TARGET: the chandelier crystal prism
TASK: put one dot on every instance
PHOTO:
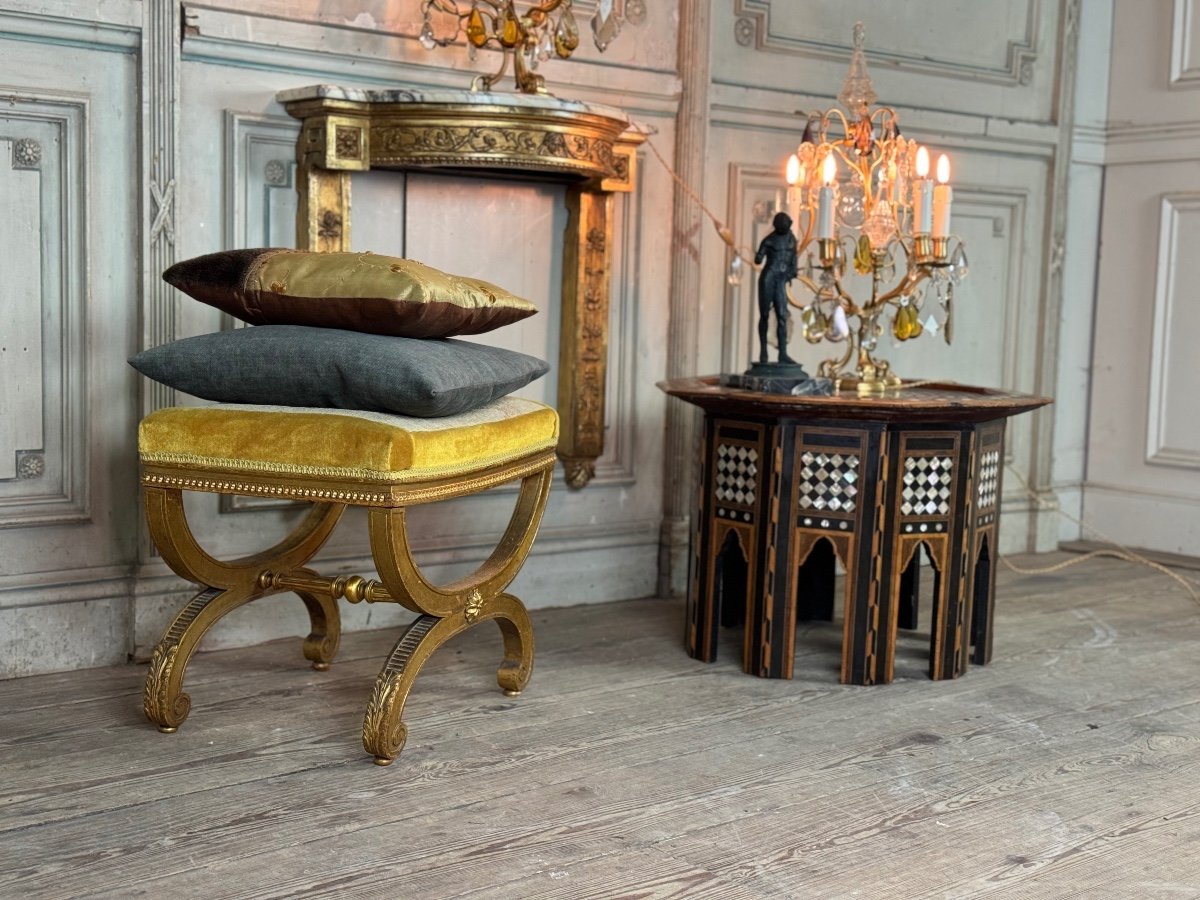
(861, 196)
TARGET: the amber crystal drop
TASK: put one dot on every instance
(863, 261)
(901, 324)
(476, 30)
(566, 34)
(510, 27)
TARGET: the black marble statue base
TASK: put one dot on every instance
(778, 378)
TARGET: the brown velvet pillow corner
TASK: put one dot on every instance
(364, 292)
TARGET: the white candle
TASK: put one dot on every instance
(922, 195)
(943, 194)
(794, 174)
(825, 199)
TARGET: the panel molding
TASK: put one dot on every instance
(160, 85)
(48, 135)
(1017, 68)
(1185, 67)
(1158, 452)
(244, 133)
(37, 27)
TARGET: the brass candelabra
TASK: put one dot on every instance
(862, 193)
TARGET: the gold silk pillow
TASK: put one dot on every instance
(352, 291)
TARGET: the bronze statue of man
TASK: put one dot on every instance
(779, 250)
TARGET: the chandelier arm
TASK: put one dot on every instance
(887, 118)
(488, 80)
(826, 116)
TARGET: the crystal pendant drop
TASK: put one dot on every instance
(958, 265)
(605, 25)
(476, 31)
(931, 325)
(510, 27)
(850, 205)
(427, 39)
(546, 45)
(839, 328)
(472, 52)
(735, 272)
(566, 34)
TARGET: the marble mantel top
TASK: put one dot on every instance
(448, 96)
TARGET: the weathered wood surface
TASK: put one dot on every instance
(1069, 767)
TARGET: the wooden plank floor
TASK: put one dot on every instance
(1070, 767)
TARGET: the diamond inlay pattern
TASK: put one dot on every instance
(828, 481)
(926, 486)
(989, 477)
(737, 474)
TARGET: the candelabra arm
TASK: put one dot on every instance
(911, 279)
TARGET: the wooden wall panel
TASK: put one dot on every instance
(1143, 467)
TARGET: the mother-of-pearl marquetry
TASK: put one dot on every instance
(926, 486)
(828, 481)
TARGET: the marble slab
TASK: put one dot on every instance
(447, 96)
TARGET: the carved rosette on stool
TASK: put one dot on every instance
(591, 148)
(791, 484)
(170, 467)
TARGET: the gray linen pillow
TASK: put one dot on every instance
(297, 365)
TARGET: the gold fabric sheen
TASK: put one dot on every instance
(346, 443)
(372, 275)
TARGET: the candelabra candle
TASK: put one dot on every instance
(922, 195)
(825, 199)
(942, 195)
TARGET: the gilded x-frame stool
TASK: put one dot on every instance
(334, 459)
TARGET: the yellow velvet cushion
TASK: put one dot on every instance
(353, 291)
(358, 446)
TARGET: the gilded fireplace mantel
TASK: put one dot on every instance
(590, 148)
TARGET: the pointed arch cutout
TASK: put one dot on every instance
(732, 575)
(982, 584)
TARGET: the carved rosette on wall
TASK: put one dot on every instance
(593, 149)
(26, 154)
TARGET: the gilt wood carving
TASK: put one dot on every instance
(591, 148)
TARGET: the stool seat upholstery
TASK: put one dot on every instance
(371, 447)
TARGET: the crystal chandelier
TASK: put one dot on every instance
(530, 37)
(867, 194)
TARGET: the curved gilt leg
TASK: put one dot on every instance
(228, 586)
(163, 699)
(321, 645)
(180, 550)
(517, 630)
(399, 573)
(383, 732)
